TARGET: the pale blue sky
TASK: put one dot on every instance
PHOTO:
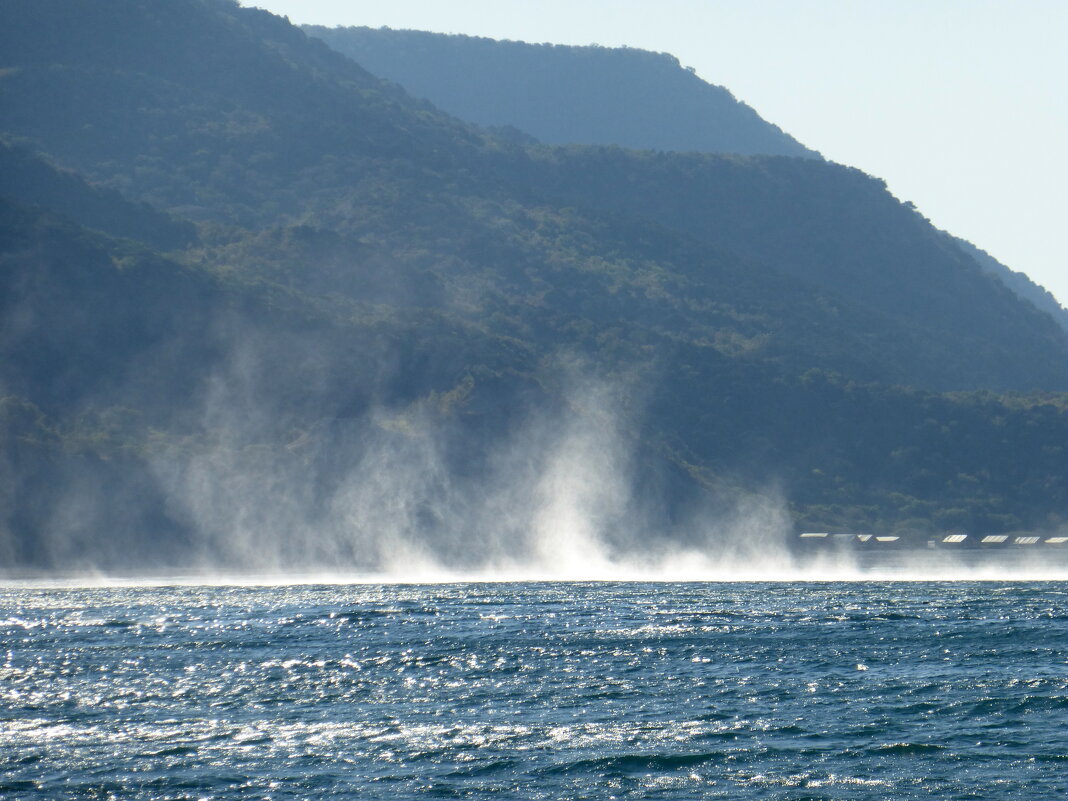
(960, 105)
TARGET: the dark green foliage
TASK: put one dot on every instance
(1017, 282)
(198, 105)
(361, 267)
(840, 231)
(592, 95)
(28, 179)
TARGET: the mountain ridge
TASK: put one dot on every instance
(614, 96)
(521, 86)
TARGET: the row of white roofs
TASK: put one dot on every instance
(947, 539)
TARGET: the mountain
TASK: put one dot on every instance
(565, 95)
(263, 309)
(840, 231)
(1018, 282)
(29, 179)
(297, 134)
(591, 95)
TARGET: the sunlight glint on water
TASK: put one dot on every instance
(535, 690)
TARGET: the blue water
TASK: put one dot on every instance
(536, 691)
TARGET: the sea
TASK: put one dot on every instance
(535, 690)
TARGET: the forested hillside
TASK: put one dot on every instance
(566, 95)
(261, 307)
(591, 95)
(1018, 282)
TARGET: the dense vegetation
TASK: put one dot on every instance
(1018, 282)
(592, 95)
(247, 286)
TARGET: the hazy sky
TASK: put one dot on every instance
(961, 106)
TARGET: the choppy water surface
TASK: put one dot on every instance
(529, 691)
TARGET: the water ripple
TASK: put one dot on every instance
(534, 691)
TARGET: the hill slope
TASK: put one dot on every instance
(1019, 283)
(591, 95)
(297, 134)
(565, 95)
(390, 332)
